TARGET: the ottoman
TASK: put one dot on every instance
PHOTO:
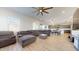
(43, 36)
(27, 39)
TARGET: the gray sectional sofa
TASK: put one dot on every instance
(28, 37)
(25, 37)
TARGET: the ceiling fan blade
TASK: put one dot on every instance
(35, 11)
(46, 12)
(38, 13)
(42, 13)
(40, 8)
(34, 7)
(47, 8)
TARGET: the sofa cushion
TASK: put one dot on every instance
(6, 33)
(7, 38)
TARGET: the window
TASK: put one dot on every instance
(13, 24)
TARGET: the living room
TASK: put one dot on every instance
(38, 28)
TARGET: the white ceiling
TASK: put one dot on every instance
(57, 14)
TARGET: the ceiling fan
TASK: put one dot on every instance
(42, 10)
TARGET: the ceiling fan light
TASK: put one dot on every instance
(40, 10)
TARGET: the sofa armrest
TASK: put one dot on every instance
(19, 35)
(13, 36)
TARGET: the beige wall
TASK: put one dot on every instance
(26, 23)
(76, 16)
(76, 20)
